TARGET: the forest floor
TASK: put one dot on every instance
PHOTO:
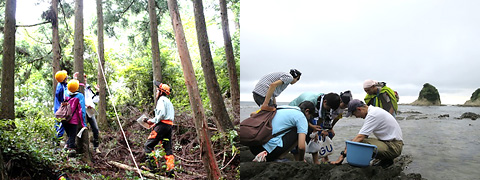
(186, 149)
(189, 164)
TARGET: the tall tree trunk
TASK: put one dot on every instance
(7, 109)
(208, 156)
(157, 71)
(232, 68)
(83, 142)
(102, 104)
(3, 171)
(216, 100)
(55, 44)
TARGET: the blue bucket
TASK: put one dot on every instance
(360, 154)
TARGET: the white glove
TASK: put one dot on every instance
(261, 157)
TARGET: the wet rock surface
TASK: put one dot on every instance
(303, 170)
(444, 116)
(469, 115)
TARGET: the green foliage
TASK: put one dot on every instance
(429, 92)
(137, 83)
(32, 94)
(29, 147)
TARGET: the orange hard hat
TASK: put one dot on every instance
(165, 88)
(60, 76)
(73, 85)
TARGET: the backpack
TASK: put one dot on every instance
(257, 129)
(65, 113)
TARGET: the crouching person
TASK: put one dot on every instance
(383, 125)
(162, 127)
(295, 120)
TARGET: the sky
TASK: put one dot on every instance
(337, 45)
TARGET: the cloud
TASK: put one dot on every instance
(339, 44)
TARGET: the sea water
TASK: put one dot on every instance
(441, 147)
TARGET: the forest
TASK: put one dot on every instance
(122, 47)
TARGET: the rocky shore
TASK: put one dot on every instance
(302, 170)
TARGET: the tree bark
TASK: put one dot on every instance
(83, 142)
(7, 110)
(156, 64)
(55, 45)
(208, 156)
(232, 68)
(3, 171)
(7, 107)
(216, 100)
(102, 103)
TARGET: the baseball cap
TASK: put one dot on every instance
(352, 106)
(346, 96)
(369, 83)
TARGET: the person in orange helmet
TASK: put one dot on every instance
(162, 127)
(60, 94)
(77, 103)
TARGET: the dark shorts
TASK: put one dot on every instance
(260, 99)
(288, 139)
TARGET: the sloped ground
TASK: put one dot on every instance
(185, 148)
(113, 147)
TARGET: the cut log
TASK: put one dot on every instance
(130, 168)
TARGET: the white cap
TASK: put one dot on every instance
(369, 83)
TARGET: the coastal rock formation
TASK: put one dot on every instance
(469, 115)
(428, 96)
(475, 99)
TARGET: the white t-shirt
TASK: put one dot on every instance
(382, 124)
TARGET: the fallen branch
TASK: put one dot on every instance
(111, 151)
(194, 173)
(145, 173)
(228, 162)
(186, 160)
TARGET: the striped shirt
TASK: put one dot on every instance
(262, 86)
